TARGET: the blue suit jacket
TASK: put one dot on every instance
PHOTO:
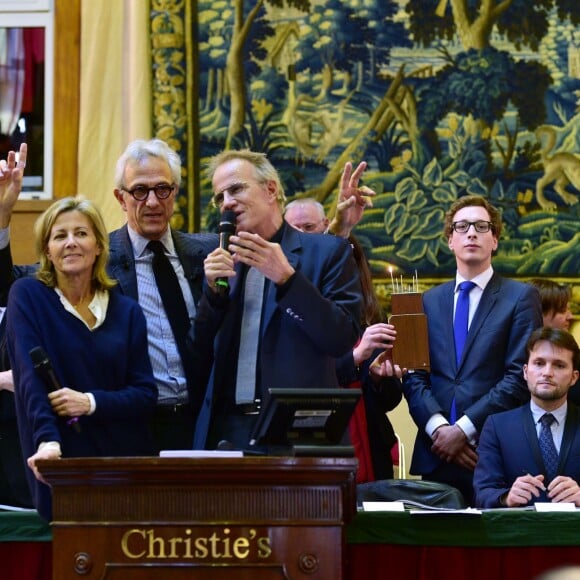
(489, 377)
(509, 448)
(191, 249)
(305, 325)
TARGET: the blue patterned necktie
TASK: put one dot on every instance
(547, 447)
(460, 326)
(460, 323)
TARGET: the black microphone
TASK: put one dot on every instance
(226, 229)
(43, 367)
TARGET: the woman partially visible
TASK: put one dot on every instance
(556, 313)
(555, 299)
(369, 367)
(96, 341)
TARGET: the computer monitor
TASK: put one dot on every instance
(305, 417)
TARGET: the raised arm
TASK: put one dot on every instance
(352, 200)
(11, 173)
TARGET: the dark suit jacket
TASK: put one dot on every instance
(9, 272)
(489, 377)
(378, 400)
(509, 448)
(306, 324)
(191, 249)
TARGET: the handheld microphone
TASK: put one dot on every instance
(43, 367)
(227, 227)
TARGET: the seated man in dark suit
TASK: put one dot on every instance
(532, 453)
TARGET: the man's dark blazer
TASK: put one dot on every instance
(509, 448)
(489, 377)
(191, 249)
(304, 327)
(9, 273)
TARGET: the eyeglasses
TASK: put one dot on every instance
(232, 190)
(161, 191)
(309, 227)
(481, 226)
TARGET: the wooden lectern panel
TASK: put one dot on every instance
(411, 349)
(173, 518)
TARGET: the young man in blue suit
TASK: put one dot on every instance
(308, 303)
(465, 385)
(511, 470)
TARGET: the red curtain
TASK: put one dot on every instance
(379, 561)
(26, 560)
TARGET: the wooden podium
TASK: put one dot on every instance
(254, 518)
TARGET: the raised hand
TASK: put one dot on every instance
(267, 257)
(11, 173)
(352, 200)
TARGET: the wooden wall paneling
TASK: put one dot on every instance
(67, 56)
(67, 71)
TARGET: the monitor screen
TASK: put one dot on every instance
(293, 417)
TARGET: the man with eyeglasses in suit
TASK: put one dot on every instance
(303, 291)
(450, 403)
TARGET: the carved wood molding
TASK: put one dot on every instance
(67, 72)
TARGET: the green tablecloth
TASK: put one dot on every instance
(23, 527)
(492, 528)
(498, 528)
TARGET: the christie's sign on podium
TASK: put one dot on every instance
(172, 518)
(194, 544)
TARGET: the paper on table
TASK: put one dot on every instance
(545, 506)
(466, 512)
(383, 506)
(199, 453)
(13, 508)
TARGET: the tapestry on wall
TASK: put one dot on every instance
(442, 98)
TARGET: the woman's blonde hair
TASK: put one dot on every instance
(43, 226)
